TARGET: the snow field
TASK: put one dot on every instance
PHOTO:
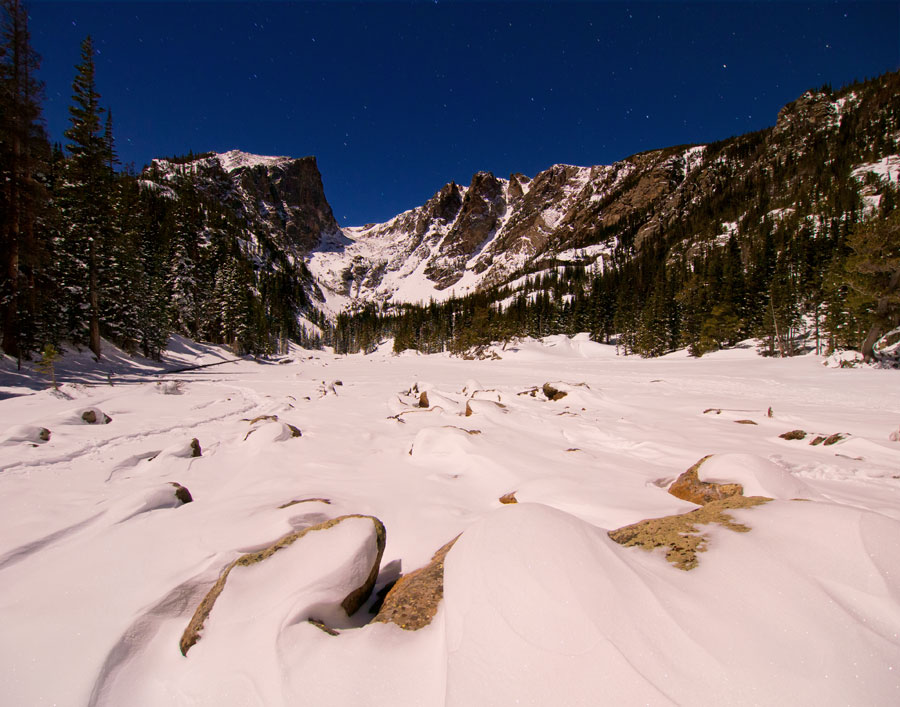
(101, 567)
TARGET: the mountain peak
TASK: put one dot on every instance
(236, 159)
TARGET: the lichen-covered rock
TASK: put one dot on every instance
(350, 603)
(195, 448)
(423, 400)
(679, 533)
(413, 600)
(689, 487)
(834, 439)
(508, 498)
(793, 434)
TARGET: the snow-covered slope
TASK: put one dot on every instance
(465, 238)
(102, 566)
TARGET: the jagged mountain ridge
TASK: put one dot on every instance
(678, 198)
(467, 238)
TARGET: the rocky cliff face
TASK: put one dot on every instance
(464, 238)
(280, 197)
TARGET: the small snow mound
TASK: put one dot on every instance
(86, 416)
(470, 387)
(270, 431)
(169, 387)
(490, 408)
(758, 476)
(154, 498)
(441, 441)
(183, 449)
(843, 359)
(31, 434)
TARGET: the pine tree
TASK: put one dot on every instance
(23, 150)
(88, 186)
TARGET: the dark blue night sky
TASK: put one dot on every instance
(396, 99)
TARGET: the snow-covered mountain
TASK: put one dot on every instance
(281, 197)
(465, 238)
(677, 200)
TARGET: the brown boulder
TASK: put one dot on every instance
(793, 434)
(181, 493)
(689, 487)
(552, 393)
(413, 600)
(93, 416)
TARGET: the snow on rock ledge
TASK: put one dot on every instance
(758, 476)
(327, 577)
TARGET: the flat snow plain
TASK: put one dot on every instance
(100, 571)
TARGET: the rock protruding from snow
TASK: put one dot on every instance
(95, 416)
(350, 557)
(720, 476)
(689, 487)
(31, 434)
(755, 474)
(153, 498)
(182, 449)
(181, 493)
(268, 428)
(413, 601)
(679, 534)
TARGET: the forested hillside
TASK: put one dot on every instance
(788, 234)
(90, 250)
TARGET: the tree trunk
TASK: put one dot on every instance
(13, 220)
(868, 346)
(94, 297)
(882, 314)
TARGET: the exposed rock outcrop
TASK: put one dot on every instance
(793, 434)
(679, 533)
(689, 487)
(413, 600)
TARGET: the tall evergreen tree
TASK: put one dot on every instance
(23, 148)
(88, 183)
